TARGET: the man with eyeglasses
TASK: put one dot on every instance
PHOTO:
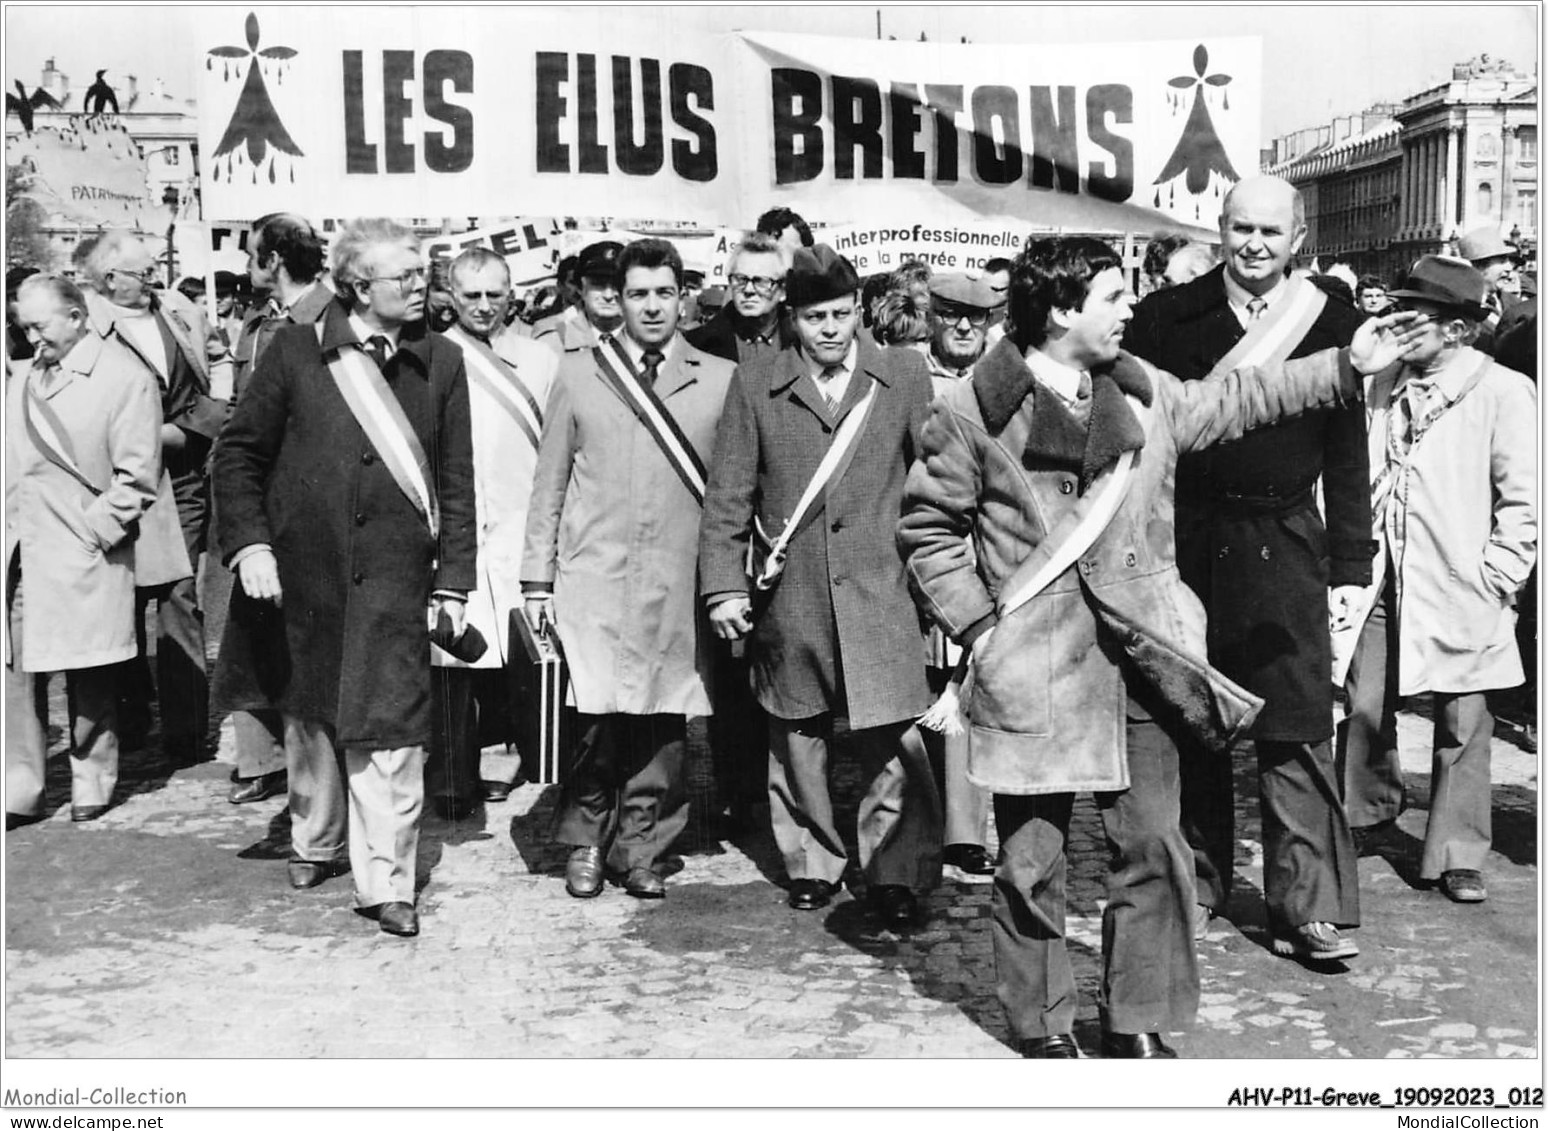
(172, 337)
(509, 378)
(959, 315)
(582, 327)
(346, 508)
(750, 324)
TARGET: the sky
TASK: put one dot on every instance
(1319, 60)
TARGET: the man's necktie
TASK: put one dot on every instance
(651, 367)
(1255, 308)
(1411, 413)
(45, 377)
(825, 384)
(1081, 408)
(378, 347)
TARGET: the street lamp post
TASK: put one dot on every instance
(171, 198)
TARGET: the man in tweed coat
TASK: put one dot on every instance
(838, 637)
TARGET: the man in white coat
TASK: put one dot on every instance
(82, 462)
(610, 559)
(509, 378)
(1454, 508)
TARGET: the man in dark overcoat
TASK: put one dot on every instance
(1252, 545)
(341, 547)
(838, 637)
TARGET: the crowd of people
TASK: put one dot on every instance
(1004, 536)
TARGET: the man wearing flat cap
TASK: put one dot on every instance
(959, 321)
(835, 636)
(581, 328)
(1496, 261)
(1454, 511)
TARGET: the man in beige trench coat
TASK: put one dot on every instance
(612, 540)
(82, 460)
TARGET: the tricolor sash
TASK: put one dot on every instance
(618, 371)
(493, 374)
(381, 417)
(1276, 333)
(52, 439)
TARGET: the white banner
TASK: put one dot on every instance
(457, 111)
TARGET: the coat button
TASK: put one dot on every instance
(838, 524)
(1065, 487)
(1129, 559)
(359, 519)
(1225, 552)
(368, 458)
(359, 577)
(1264, 553)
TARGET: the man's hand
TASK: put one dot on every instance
(259, 574)
(456, 611)
(172, 438)
(539, 611)
(732, 618)
(1342, 602)
(1384, 341)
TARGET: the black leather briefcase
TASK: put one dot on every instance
(545, 726)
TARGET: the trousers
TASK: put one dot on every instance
(467, 705)
(359, 802)
(898, 827)
(93, 705)
(624, 792)
(1150, 978)
(1459, 830)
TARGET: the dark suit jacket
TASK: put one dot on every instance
(718, 335)
(356, 561)
(1250, 542)
(843, 592)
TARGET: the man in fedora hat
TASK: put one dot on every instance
(1454, 508)
(838, 636)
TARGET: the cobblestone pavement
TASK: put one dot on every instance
(167, 929)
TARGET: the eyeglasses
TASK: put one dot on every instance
(476, 297)
(758, 284)
(405, 281)
(955, 314)
(144, 277)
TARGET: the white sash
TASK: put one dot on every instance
(1278, 331)
(48, 434)
(495, 377)
(381, 417)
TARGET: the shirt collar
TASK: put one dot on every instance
(1448, 380)
(365, 333)
(636, 352)
(1061, 378)
(1239, 296)
(815, 367)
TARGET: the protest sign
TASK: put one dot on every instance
(88, 172)
(465, 111)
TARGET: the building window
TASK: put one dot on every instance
(1485, 199)
(173, 154)
(1526, 208)
(1526, 143)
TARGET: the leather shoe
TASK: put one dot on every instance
(643, 883)
(1060, 1046)
(1464, 885)
(454, 808)
(1136, 1046)
(971, 859)
(496, 790)
(583, 872)
(1369, 838)
(82, 813)
(17, 820)
(309, 873)
(398, 919)
(895, 905)
(260, 788)
(810, 895)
